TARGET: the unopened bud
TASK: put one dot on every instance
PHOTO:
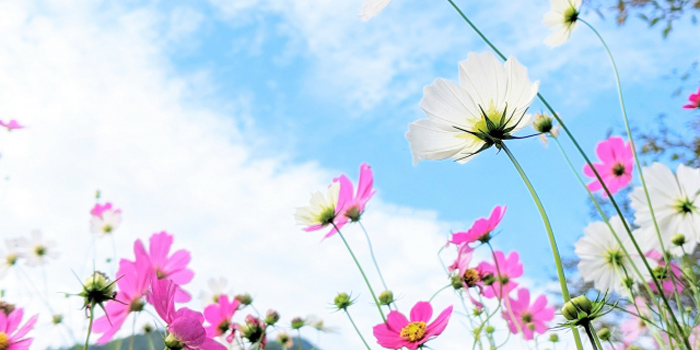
(342, 301)
(554, 337)
(271, 317)
(386, 297)
(604, 334)
(456, 282)
(298, 322)
(678, 239)
(244, 299)
(172, 343)
(490, 329)
(57, 319)
(572, 308)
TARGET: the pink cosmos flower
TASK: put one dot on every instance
(12, 338)
(355, 204)
(616, 167)
(634, 327)
(694, 100)
(470, 276)
(481, 229)
(173, 268)
(503, 272)
(184, 326)
(105, 219)
(398, 332)
(528, 318)
(219, 317)
(11, 125)
(670, 283)
(134, 281)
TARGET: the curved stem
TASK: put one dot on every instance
(374, 260)
(550, 236)
(364, 276)
(438, 292)
(357, 329)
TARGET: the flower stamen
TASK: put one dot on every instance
(414, 331)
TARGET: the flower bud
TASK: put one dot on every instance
(579, 305)
(477, 311)
(172, 343)
(386, 297)
(271, 317)
(57, 319)
(456, 282)
(554, 337)
(490, 329)
(244, 299)
(6, 308)
(488, 278)
(678, 239)
(660, 272)
(342, 301)
(604, 334)
(583, 303)
(298, 322)
(542, 123)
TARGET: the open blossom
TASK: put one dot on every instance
(676, 202)
(603, 261)
(670, 282)
(184, 326)
(528, 318)
(323, 210)
(219, 316)
(484, 108)
(105, 219)
(355, 202)
(38, 250)
(12, 336)
(694, 101)
(134, 280)
(11, 125)
(470, 276)
(173, 267)
(10, 257)
(502, 274)
(563, 17)
(616, 167)
(481, 229)
(398, 332)
(372, 8)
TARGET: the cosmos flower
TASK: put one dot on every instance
(528, 318)
(616, 167)
(105, 219)
(37, 250)
(669, 282)
(10, 257)
(481, 228)
(173, 267)
(372, 8)
(324, 210)
(483, 109)
(603, 261)
(399, 332)
(12, 337)
(544, 125)
(502, 272)
(355, 202)
(563, 17)
(676, 202)
(635, 327)
(219, 316)
(217, 288)
(11, 125)
(469, 276)
(694, 100)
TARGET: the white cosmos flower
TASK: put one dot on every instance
(106, 222)
(487, 105)
(38, 250)
(676, 202)
(217, 288)
(372, 8)
(563, 18)
(322, 209)
(10, 257)
(603, 262)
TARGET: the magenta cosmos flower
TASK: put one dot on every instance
(481, 229)
(398, 332)
(134, 279)
(498, 278)
(694, 100)
(173, 267)
(12, 338)
(184, 326)
(11, 125)
(669, 283)
(616, 167)
(528, 318)
(355, 202)
(105, 219)
(219, 316)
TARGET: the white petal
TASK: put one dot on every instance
(372, 8)
(484, 79)
(430, 142)
(447, 105)
(559, 37)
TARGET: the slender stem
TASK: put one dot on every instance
(592, 337)
(357, 329)
(299, 338)
(438, 292)
(149, 338)
(92, 316)
(550, 235)
(483, 37)
(364, 276)
(374, 260)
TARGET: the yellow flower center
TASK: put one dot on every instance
(414, 331)
(40, 250)
(4, 341)
(160, 274)
(470, 277)
(618, 169)
(107, 229)
(570, 16)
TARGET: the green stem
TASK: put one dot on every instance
(364, 276)
(299, 338)
(592, 336)
(150, 342)
(438, 292)
(550, 235)
(374, 260)
(92, 316)
(357, 329)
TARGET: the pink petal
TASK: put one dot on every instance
(396, 321)
(388, 338)
(439, 324)
(159, 247)
(21, 345)
(422, 311)
(365, 183)
(26, 328)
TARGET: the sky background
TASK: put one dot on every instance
(215, 120)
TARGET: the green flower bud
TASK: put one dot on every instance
(583, 303)
(456, 282)
(298, 322)
(678, 239)
(477, 311)
(660, 272)
(244, 299)
(271, 317)
(604, 334)
(342, 301)
(57, 319)
(554, 337)
(386, 297)
(490, 329)
(488, 279)
(172, 343)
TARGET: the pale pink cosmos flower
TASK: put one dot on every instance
(219, 316)
(616, 167)
(634, 327)
(184, 326)
(469, 275)
(134, 280)
(11, 335)
(173, 267)
(11, 125)
(398, 332)
(670, 283)
(323, 211)
(528, 318)
(355, 202)
(481, 229)
(105, 219)
(694, 100)
(503, 272)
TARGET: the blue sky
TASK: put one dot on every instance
(207, 119)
